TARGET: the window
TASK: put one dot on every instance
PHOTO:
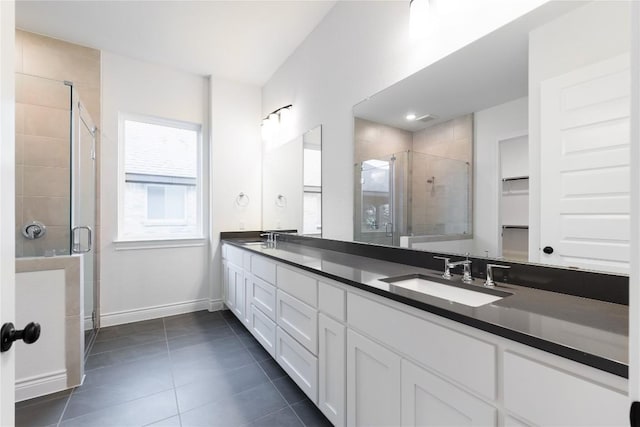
(160, 191)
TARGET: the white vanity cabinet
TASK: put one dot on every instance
(366, 360)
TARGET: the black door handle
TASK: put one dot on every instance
(547, 250)
(8, 335)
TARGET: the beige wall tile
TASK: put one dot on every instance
(19, 179)
(19, 148)
(43, 151)
(18, 57)
(45, 121)
(74, 350)
(52, 211)
(19, 217)
(90, 97)
(57, 238)
(19, 118)
(46, 181)
(44, 92)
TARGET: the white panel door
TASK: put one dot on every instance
(585, 181)
(7, 201)
(373, 383)
(430, 401)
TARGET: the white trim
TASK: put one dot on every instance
(129, 245)
(88, 324)
(216, 305)
(40, 385)
(154, 312)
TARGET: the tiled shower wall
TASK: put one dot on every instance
(442, 206)
(43, 65)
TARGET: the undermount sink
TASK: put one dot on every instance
(469, 295)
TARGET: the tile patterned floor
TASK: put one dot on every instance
(196, 369)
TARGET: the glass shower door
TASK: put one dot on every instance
(376, 224)
(84, 207)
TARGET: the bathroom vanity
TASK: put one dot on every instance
(368, 351)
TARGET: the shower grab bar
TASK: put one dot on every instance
(76, 246)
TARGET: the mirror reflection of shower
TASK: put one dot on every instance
(418, 193)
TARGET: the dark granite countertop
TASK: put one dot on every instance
(588, 331)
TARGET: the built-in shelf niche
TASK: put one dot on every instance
(514, 197)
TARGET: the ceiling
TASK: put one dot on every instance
(487, 72)
(244, 41)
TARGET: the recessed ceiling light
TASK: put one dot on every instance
(410, 117)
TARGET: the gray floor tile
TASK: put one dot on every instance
(236, 410)
(128, 341)
(207, 349)
(41, 399)
(124, 355)
(191, 371)
(41, 414)
(167, 422)
(272, 369)
(120, 331)
(219, 387)
(289, 390)
(258, 352)
(138, 412)
(283, 418)
(194, 327)
(310, 414)
(181, 341)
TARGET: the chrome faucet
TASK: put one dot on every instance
(489, 283)
(466, 263)
(271, 236)
(447, 272)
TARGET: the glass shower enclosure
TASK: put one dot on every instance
(410, 194)
(56, 179)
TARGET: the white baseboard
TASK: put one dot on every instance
(216, 305)
(88, 323)
(147, 313)
(40, 385)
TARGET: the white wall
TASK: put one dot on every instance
(357, 50)
(490, 126)
(142, 282)
(236, 157)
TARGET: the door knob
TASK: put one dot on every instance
(547, 250)
(8, 335)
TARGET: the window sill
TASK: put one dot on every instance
(140, 244)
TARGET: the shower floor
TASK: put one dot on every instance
(195, 369)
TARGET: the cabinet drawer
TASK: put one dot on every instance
(246, 261)
(263, 268)
(298, 319)
(301, 365)
(299, 285)
(547, 396)
(264, 330)
(234, 255)
(263, 296)
(462, 358)
(331, 300)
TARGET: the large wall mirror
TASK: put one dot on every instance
(515, 147)
(292, 185)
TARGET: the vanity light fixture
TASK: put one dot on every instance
(418, 14)
(410, 117)
(271, 123)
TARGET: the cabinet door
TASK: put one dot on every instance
(332, 364)
(236, 289)
(373, 383)
(427, 400)
(225, 285)
(246, 284)
(298, 319)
